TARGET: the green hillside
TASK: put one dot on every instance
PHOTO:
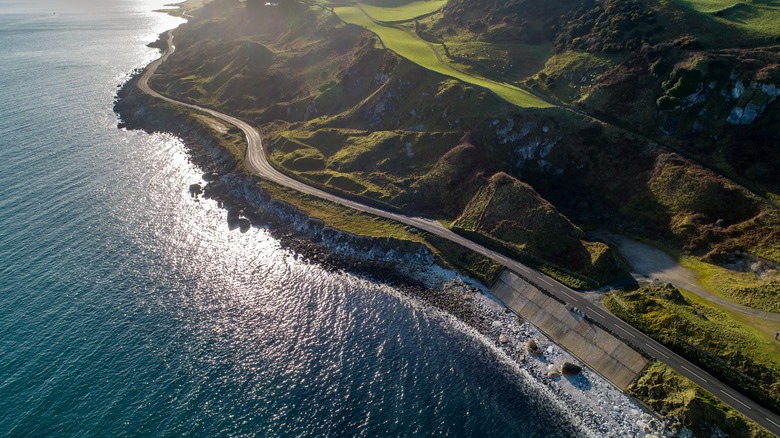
(524, 124)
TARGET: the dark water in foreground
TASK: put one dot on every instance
(128, 309)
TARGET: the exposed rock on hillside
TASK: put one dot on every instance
(719, 107)
(339, 111)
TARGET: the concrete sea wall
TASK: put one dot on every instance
(603, 352)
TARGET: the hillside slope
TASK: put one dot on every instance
(340, 111)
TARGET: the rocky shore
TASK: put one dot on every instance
(594, 406)
(385, 260)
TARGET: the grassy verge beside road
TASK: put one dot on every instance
(676, 397)
(362, 224)
(729, 348)
(339, 217)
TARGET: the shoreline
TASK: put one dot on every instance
(391, 262)
(483, 257)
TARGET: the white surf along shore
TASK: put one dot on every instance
(590, 402)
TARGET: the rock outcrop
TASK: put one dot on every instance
(570, 369)
(531, 347)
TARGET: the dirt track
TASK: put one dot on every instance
(648, 263)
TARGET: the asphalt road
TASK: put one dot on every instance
(259, 164)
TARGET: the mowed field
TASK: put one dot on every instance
(408, 45)
(405, 12)
(732, 19)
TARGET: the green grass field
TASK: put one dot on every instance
(407, 45)
(722, 22)
(738, 349)
(760, 332)
(746, 288)
(405, 12)
(762, 19)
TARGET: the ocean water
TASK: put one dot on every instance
(128, 309)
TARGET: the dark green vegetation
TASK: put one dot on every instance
(611, 26)
(665, 125)
(734, 351)
(678, 398)
(341, 112)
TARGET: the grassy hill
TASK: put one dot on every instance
(522, 123)
(367, 109)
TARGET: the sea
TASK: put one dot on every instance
(129, 309)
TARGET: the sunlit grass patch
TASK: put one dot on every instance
(746, 288)
(405, 12)
(579, 71)
(369, 164)
(710, 5)
(757, 18)
(723, 22)
(409, 46)
(755, 328)
(340, 217)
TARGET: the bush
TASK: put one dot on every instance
(610, 26)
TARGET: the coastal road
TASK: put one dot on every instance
(258, 164)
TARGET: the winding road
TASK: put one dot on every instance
(258, 164)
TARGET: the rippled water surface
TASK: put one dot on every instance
(126, 308)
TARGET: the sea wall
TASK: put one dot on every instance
(606, 354)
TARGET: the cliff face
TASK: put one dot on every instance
(719, 107)
(341, 112)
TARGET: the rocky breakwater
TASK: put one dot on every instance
(596, 407)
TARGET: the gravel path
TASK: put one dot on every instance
(649, 263)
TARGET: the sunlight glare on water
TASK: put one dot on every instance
(128, 308)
